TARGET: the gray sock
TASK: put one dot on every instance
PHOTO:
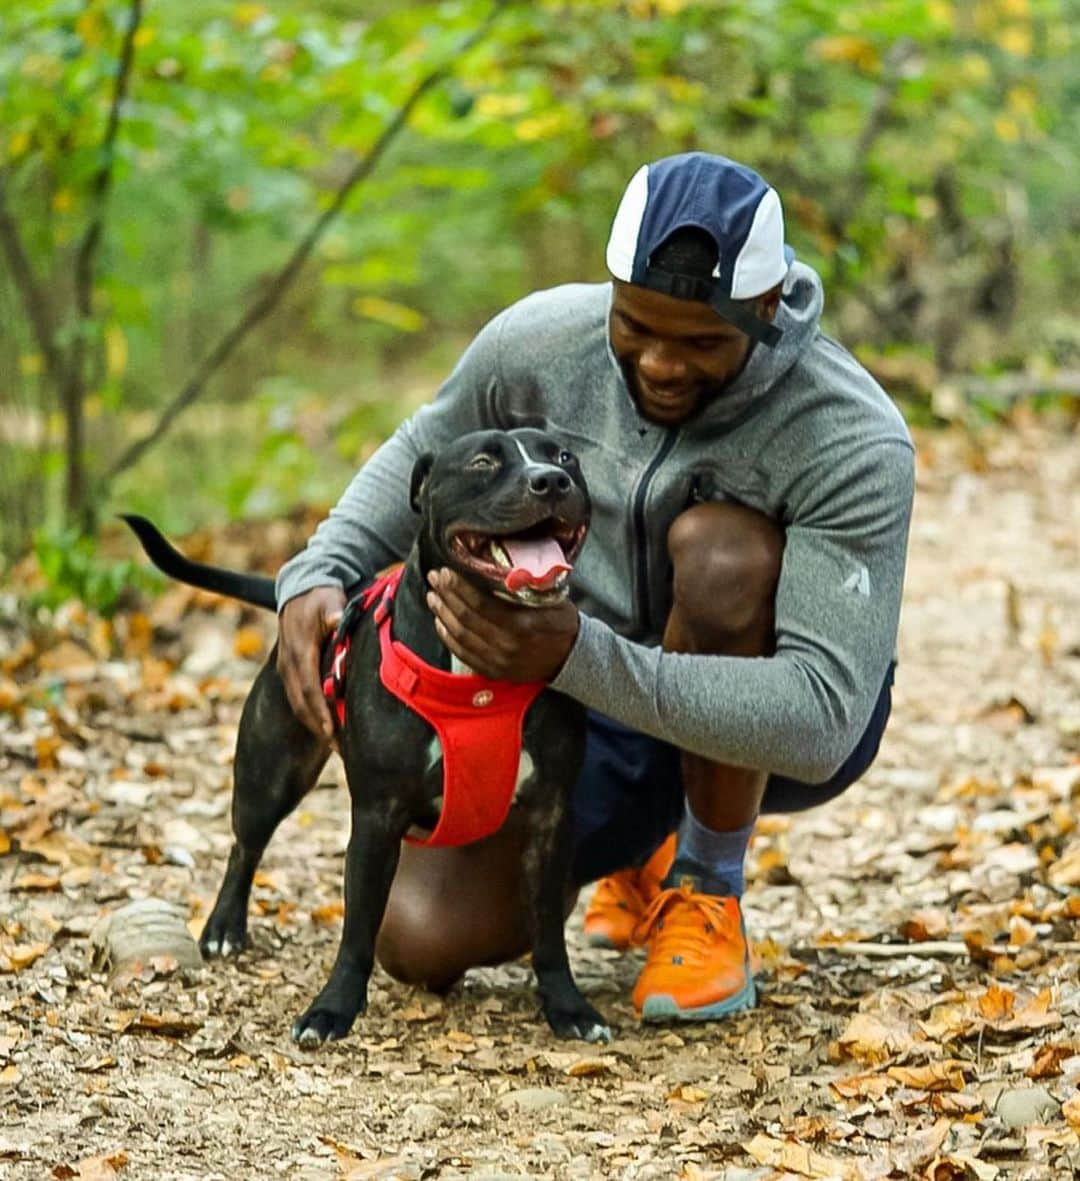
(720, 855)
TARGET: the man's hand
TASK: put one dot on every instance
(305, 623)
(497, 639)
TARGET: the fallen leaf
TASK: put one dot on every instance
(330, 913)
(935, 1076)
(41, 882)
(872, 1040)
(863, 1086)
(689, 1094)
(9, 1076)
(589, 1066)
(996, 1003)
(164, 1024)
(248, 643)
(797, 1158)
(1066, 870)
(15, 957)
(1070, 1109)
(1049, 1058)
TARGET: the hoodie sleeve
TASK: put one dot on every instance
(372, 524)
(802, 711)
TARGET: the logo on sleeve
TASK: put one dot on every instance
(858, 582)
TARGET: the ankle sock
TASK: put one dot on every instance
(718, 855)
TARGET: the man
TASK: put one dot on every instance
(735, 609)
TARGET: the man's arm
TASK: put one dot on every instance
(801, 711)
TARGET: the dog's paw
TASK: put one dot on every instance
(582, 1023)
(223, 938)
(320, 1025)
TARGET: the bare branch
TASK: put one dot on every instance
(38, 310)
(102, 181)
(265, 303)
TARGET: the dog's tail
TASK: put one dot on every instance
(249, 588)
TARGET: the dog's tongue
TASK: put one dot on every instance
(536, 564)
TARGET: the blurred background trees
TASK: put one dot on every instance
(160, 164)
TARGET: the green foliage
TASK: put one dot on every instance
(925, 151)
(72, 568)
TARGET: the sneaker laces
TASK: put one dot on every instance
(680, 922)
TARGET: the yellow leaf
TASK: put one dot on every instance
(545, 126)
(1015, 40)
(386, 311)
(1006, 129)
(9, 1076)
(797, 1158)
(63, 200)
(863, 1086)
(501, 106)
(849, 49)
(873, 1040)
(1022, 99)
(30, 364)
(116, 350)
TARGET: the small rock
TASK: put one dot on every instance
(423, 1119)
(142, 930)
(534, 1098)
(1026, 1106)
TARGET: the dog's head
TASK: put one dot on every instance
(508, 510)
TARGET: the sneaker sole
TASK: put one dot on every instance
(662, 1007)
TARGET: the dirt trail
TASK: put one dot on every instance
(114, 786)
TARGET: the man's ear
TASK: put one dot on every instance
(769, 303)
(421, 471)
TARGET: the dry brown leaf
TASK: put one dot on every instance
(42, 882)
(589, 1066)
(1070, 1109)
(46, 749)
(872, 1040)
(10, 696)
(330, 913)
(1066, 870)
(101, 1168)
(924, 925)
(10, 1075)
(165, 1024)
(935, 1076)
(958, 1103)
(67, 657)
(1033, 1014)
(797, 1158)
(1049, 1058)
(15, 957)
(996, 1003)
(688, 1094)
(61, 848)
(248, 643)
(862, 1086)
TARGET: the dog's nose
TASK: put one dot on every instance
(549, 481)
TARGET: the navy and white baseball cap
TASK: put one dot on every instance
(731, 203)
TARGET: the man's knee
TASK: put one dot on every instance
(726, 562)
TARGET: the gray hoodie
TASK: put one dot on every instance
(803, 434)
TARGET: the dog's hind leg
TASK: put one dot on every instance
(370, 863)
(277, 762)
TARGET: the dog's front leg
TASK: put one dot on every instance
(370, 863)
(547, 853)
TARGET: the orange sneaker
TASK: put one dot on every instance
(621, 899)
(698, 964)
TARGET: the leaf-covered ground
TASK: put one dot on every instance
(918, 937)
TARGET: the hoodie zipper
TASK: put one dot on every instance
(643, 613)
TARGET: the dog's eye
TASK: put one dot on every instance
(482, 462)
(565, 457)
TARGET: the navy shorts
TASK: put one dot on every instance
(629, 795)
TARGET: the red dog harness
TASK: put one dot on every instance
(478, 721)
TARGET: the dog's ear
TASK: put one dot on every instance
(421, 471)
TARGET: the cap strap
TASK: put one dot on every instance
(708, 291)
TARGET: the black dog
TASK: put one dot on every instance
(482, 499)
